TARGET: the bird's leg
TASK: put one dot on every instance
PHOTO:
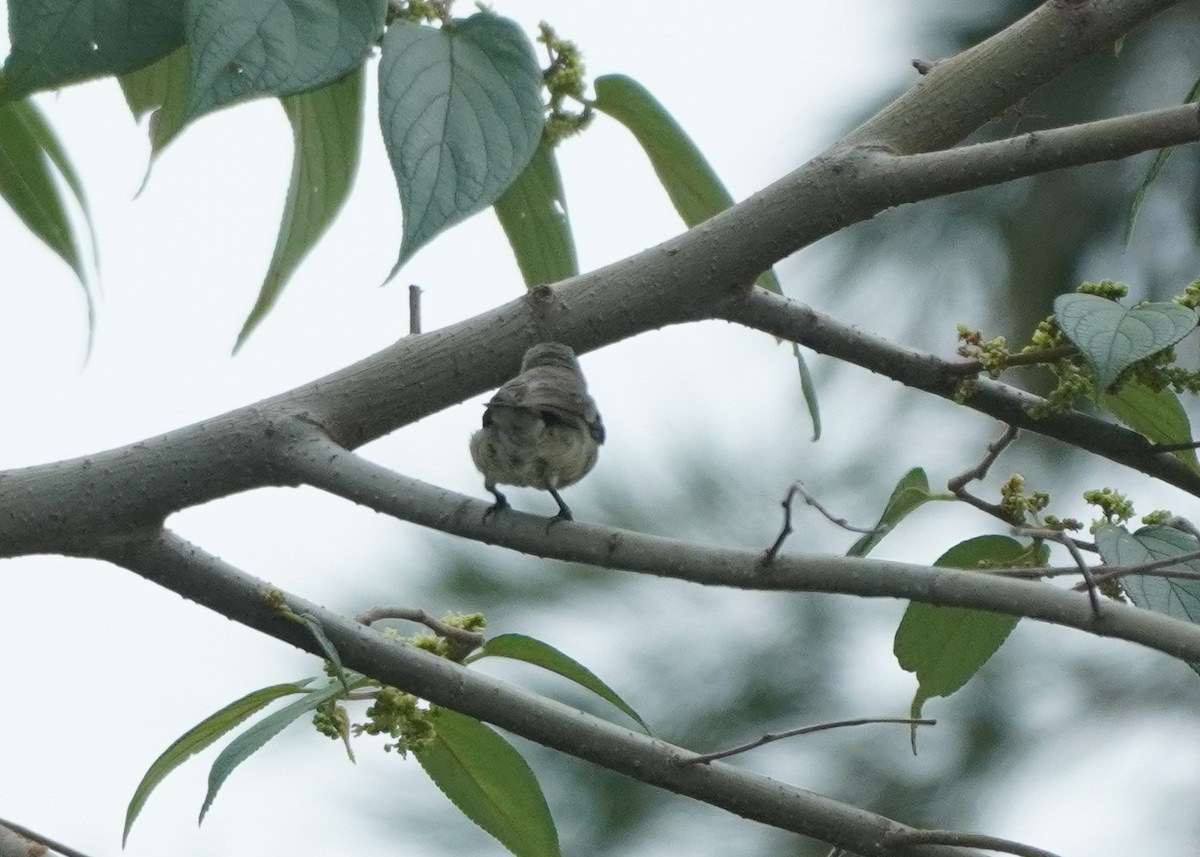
(501, 502)
(564, 513)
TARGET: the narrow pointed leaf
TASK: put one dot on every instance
(533, 213)
(461, 112)
(55, 42)
(27, 149)
(808, 387)
(1112, 337)
(946, 646)
(684, 172)
(1158, 415)
(1156, 165)
(327, 130)
(160, 89)
(201, 736)
(490, 783)
(521, 648)
(911, 492)
(253, 739)
(246, 48)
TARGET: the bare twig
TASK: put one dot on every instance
(37, 838)
(462, 641)
(705, 758)
(809, 499)
(414, 309)
(957, 484)
(966, 840)
(1076, 549)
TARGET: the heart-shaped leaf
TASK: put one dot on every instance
(244, 48)
(461, 113)
(1112, 337)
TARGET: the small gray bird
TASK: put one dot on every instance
(541, 429)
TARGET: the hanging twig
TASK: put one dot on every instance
(414, 309)
(809, 499)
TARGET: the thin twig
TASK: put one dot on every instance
(414, 309)
(1176, 447)
(809, 499)
(65, 850)
(705, 758)
(460, 638)
(966, 840)
(957, 484)
(1076, 550)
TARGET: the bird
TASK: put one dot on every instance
(540, 430)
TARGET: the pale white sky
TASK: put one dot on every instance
(106, 669)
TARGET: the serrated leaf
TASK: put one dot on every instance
(1158, 415)
(1112, 337)
(533, 214)
(253, 739)
(684, 172)
(808, 388)
(461, 113)
(946, 646)
(522, 648)
(55, 42)
(911, 492)
(327, 130)
(160, 89)
(241, 49)
(28, 147)
(490, 783)
(200, 737)
(1156, 165)
(1175, 597)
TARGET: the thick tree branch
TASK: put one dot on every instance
(187, 570)
(323, 465)
(794, 321)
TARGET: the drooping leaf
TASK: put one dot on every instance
(1112, 337)
(55, 42)
(490, 783)
(684, 172)
(252, 740)
(533, 213)
(200, 737)
(1176, 597)
(160, 89)
(327, 130)
(911, 492)
(28, 147)
(946, 646)
(246, 48)
(1158, 415)
(522, 648)
(808, 387)
(1156, 165)
(461, 113)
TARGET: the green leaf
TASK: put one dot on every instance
(1160, 161)
(27, 148)
(946, 646)
(246, 48)
(808, 388)
(461, 112)
(490, 783)
(1112, 337)
(55, 42)
(253, 739)
(1158, 415)
(911, 492)
(533, 213)
(160, 89)
(531, 651)
(201, 736)
(685, 174)
(1175, 597)
(327, 129)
